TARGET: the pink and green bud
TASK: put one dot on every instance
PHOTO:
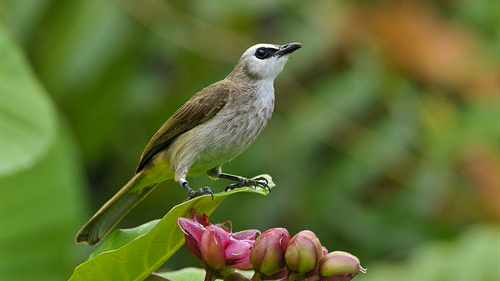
(303, 252)
(268, 253)
(339, 266)
(212, 246)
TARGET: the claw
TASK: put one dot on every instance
(264, 184)
(267, 187)
(207, 190)
(254, 182)
(202, 191)
(262, 178)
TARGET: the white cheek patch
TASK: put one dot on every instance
(273, 66)
(267, 68)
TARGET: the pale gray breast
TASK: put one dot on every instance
(254, 109)
(237, 125)
(228, 133)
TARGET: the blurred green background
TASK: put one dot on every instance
(384, 139)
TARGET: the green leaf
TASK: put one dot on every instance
(120, 237)
(28, 122)
(40, 210)
(185, 274)
(137, 252)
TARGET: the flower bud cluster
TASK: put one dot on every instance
(215, 244)
(274, 255)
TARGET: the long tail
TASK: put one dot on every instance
(113, 211)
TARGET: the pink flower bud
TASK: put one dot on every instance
(215, 245)
(268, 253)
(193, 232)
(339, 266)
(191, 228)
(248, 234)
(238, 253)
(303, 252)
(212, 246)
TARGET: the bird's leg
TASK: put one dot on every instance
(241, 181)
(195, 193)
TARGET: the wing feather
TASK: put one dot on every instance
(200, 108)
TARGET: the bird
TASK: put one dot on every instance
(211, 128)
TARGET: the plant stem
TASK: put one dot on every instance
(209, 275)
(293, 276)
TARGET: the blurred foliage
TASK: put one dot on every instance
(385, 133)
(467, 258)
(25, 134)
(41, 180)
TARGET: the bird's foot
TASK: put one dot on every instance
(201, 191)
(262, 181)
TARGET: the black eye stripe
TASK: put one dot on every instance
(264, 53)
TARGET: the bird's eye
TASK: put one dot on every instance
(261, 53)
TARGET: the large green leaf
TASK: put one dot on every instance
(27, 123)
(120, 237)
(134, 254)
(40, 208)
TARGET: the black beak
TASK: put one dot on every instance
(287, 49)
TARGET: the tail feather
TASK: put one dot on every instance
(113, 211)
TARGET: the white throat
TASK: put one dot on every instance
(265, 92)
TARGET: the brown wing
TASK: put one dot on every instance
(200, 108)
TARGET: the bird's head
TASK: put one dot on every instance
(265, 61)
